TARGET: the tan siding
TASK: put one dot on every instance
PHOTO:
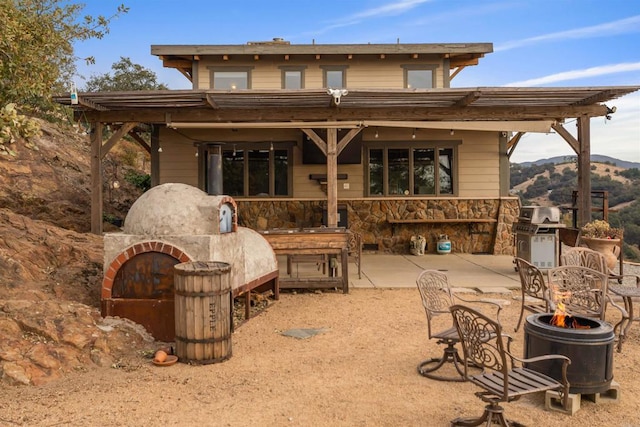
(374, 74)
(478, 169)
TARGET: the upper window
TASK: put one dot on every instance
(292, 77)
(258, 171)
(407, 171)
(334, 76)
(419, 77)
(230, 78)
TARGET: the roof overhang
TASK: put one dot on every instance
(434, 108)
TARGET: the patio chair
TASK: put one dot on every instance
(582, 290)
(436, 298)
(625, 286)
(533, 288)
(503, 377)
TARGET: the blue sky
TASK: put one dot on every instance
(537, 43)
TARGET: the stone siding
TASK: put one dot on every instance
(370, 219)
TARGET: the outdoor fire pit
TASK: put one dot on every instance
(587, 342)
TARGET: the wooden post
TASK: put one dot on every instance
(96, 178)
(584, 171)
(332, 177)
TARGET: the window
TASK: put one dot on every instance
(230, 78)
(292, 77)
(334, 76)
(410, 171)
(255, 170)
(419, 77)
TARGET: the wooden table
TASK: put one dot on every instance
(312, 241)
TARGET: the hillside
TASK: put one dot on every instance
(601, 169)
(595, 158)
(50, 267)
(549, 184)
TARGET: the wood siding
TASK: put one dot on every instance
(374, 74)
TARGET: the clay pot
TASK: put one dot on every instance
(606, 247)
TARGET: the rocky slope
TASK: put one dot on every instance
(51, 267)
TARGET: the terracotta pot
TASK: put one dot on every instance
(606, 247)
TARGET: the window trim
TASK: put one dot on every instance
(263, 145)
(414, 67)
(341, 68)
(285, 68)
(411, 146)
(213, 69)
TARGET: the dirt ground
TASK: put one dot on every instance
(360, 371)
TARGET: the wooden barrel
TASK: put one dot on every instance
(203, 311)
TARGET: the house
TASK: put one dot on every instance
(368, 136)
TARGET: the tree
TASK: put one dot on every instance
(36, 47)
(126, 76)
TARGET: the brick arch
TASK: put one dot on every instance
(130, 252)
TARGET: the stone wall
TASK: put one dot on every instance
(370, 218)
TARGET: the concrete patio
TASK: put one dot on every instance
(483, 273)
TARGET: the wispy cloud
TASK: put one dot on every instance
(622, 26)
(579, 74)
(389, 9)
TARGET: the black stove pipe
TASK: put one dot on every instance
(214, 169)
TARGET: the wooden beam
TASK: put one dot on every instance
(212, 102)
(414, 56)
(347, 139)
(177, 63)
(286, 57)
(320, 143)
(584, 171)
(511, 145)
(187, 73)
(122, 131)
(225, 57)
(332, 180)
(456, 72)
(144, 144)
(382, 56)
(468, 99)
(256, 57)
(573, 143)
(157, 115)
(90, 104)
(96, 178)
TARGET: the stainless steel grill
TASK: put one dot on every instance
(536, 234)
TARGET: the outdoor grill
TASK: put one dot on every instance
(536, 234)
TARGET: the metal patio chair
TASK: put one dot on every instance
(625, 286)
(437, 298)
(503, 379)
(533, 288)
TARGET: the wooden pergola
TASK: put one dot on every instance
(515, 110)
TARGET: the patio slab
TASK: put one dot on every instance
(484, 273)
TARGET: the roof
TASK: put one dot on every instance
(479, 103)
(459, 54)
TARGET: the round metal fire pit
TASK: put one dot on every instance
(590, 350)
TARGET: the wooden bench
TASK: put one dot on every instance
(312, 241)
(469, 221)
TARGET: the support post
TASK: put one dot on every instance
(96, 178)
(584, 171)
(332, 177)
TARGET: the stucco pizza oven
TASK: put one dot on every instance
(171, 224)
